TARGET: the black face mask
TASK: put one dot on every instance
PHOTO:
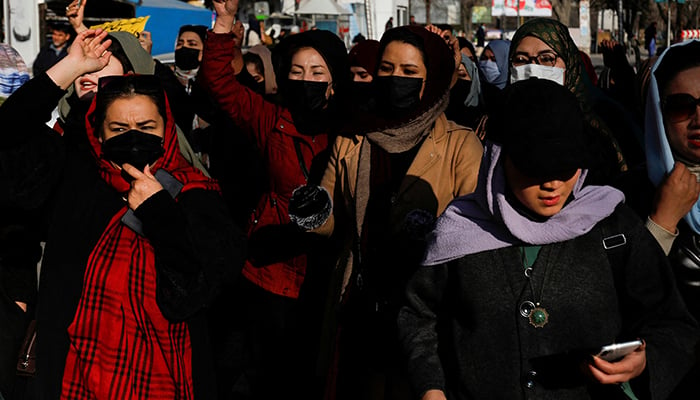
(306, 96)
(257, 87)
(398, 94)
(134, 147)
(459, 93)
(361, 91)
(186, 58)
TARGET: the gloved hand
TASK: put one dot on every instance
(310, 206)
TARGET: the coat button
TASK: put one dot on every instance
(281, 126)
(530, 382)
(255, 221)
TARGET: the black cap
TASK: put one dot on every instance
(541, 127)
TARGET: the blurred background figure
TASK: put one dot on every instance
(58, 48)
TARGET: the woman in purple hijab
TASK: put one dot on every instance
(528, 277)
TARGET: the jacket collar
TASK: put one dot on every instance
(429, 150)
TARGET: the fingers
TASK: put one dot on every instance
(681, 176)
(624, 370)
(133, 171)
(147, 172)
(75, 8)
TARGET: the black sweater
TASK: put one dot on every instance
(197, 247)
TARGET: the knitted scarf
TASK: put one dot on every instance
(121, 346)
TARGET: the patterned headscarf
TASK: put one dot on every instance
(556, 35)
(13, 71)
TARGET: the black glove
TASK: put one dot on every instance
(310, 206)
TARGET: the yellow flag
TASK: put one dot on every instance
(132, 25)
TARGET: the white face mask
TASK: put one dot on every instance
(527, 71)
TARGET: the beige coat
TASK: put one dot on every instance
(447, 163)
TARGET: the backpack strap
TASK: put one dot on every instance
(614, 242)
(169, 183)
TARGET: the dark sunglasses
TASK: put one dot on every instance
(679, 107)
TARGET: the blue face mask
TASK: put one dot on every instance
(490, 70)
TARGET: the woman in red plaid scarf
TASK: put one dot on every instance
(148, 234)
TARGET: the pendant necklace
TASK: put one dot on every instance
(534, 311)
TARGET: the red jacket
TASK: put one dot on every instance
(271, 128)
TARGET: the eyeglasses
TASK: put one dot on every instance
(546, 58)
(679, 107)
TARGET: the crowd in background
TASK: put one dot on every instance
(418, 217)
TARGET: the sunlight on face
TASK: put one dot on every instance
(403, 59)
(531, 46)
(545, 196)
(684, 136)
(190, 40)
(309, 65)
(137, 112)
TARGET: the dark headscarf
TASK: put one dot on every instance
(200, 30)
(439, 62)
(328, 45)
(364, 55)
(463, 42)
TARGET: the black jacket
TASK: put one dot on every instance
(463, 332)
(42, 168)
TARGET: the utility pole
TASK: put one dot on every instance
(620, 23)
(668, 24)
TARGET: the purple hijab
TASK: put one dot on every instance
(486, 220)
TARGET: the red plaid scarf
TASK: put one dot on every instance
(121, 346)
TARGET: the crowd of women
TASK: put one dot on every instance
(409, 220)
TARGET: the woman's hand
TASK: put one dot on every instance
(628, 368)
(143, 186)
(76, 14)
(225, 15)
(675, 197)
(88, 53)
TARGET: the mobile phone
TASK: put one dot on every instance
(615, 351)
(80, 3)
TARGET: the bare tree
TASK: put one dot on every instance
(562, 10)
(427, 11)
(466, 9)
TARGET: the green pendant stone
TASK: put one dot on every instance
(539, 317)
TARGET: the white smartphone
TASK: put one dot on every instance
(615, 351)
